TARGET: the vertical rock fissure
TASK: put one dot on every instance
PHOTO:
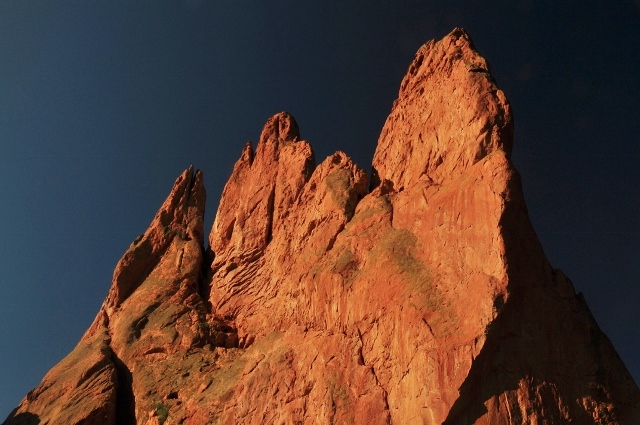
(125, 399)
(270, 211)
(385, 394)
(205, 278)
(469, 405)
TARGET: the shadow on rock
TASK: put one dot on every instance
(24, 418)
(125, 400)
(543, 335)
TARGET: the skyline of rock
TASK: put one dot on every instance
(428, 295)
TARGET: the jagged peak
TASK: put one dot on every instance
(281, 126)
(181, 215)
(246, 157)
(279, 130)
(261, 187)
(449, 115)
(433, 56)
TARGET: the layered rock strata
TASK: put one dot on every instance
(422, 296)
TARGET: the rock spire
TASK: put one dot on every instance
(422, 296)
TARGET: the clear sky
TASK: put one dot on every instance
(104, 103)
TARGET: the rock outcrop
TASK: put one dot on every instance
(420, 296)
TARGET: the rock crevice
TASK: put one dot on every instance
(125, 407)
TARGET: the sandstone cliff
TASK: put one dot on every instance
(422, 296)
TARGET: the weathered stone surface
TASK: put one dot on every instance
(427, 299)
(81, 389)
(153, 309)
(261, 189)
(449, 114)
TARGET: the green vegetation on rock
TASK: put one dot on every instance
(398, 246)
(347, 266)
(340, 185)
(162, 410)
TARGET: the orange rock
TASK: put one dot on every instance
(449, 115)
(81, 389)
(427, 299)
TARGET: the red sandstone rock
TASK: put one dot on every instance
(426, 300)
(81, 389)
(449, 115)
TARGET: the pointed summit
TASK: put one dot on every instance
(449, 114)
(261, 188)
(281, 127)
(180, 216)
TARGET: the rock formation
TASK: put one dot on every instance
(422, 297)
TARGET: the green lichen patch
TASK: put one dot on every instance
(396, 251)
(162, 411)
(340, 186)
(338, 398)
(338, 182)
(346, 265)
(265, 344)
(225, 378)
(397, 247)
(370, 207)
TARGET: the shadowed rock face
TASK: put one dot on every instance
(422, 296)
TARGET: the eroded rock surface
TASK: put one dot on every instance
(449, 115)
(422, 296)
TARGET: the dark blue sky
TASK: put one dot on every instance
(104, 103)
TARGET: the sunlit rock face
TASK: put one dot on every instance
(417, 295)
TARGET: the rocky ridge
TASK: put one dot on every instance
(422, 296)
